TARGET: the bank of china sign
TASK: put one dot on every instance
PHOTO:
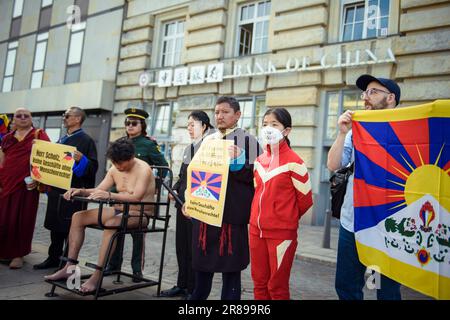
(214, 73)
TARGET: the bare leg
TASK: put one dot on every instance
(80, 220)
(91, 283)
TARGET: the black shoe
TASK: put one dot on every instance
(137, 276)
(47, 264)
(174, 292)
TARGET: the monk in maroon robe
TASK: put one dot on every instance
(18, 205)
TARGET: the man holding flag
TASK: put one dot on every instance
(378, 94)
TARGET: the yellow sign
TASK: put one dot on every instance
(207, 182)
(52, 163)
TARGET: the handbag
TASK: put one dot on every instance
(338, 187)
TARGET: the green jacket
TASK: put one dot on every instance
(148, 151)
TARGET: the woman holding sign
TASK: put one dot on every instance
(198, 126)
(282, 195)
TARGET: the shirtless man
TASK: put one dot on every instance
(134, 181)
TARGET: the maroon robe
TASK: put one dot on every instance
(18, 206)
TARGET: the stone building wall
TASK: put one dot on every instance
(419, 37)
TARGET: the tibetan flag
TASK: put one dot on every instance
(402, 194)
(4, 121)
(206, 185)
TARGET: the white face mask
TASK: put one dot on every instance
(271, 135)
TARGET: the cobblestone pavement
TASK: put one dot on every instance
(311, 279)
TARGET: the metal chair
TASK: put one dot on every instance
(158, 223)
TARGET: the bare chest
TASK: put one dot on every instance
(126, 183)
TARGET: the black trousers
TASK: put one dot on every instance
(231, 285)
(116, 260)
(57, 244)
(183, 244)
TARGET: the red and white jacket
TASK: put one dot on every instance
(282, 193)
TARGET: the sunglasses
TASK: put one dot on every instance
(67, 116)
(22, 116)
(131, 123)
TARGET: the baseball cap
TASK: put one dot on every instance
(364, 80)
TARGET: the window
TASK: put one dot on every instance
(53, 133)
(39, 60)
(84, 6)
(10, 66)
(78, 11)
(246, 120)
(16, 21)
(46, 3)
(163, 119)
(75, 53)
(337, 103)
(46, 15)
(15, 27)
(253, 28)
(76, 47)
(252, 112)
(161, 124)
(364, 19)
(172, 43)
(18, 8)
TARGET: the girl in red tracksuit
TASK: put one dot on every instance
(282, 195)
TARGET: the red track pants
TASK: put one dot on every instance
(271, 263)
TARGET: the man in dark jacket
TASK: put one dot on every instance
(225, 249)
(84, 170)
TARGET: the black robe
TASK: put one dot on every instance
(60, 222)
(226, 249)
(181, 185)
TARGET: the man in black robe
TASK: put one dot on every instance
(225, 249)
(84, 170)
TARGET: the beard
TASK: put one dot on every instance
(383, 104)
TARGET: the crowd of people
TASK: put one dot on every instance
(268, 191)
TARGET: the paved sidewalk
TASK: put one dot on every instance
(310, 248)
(312, 276)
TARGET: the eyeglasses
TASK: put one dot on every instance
(371, 91)
(193, 124)
(131, 123)
(22, 116)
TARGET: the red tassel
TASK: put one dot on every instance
(230, 246)
(202, 237)
(200, 234)
(223, 236)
